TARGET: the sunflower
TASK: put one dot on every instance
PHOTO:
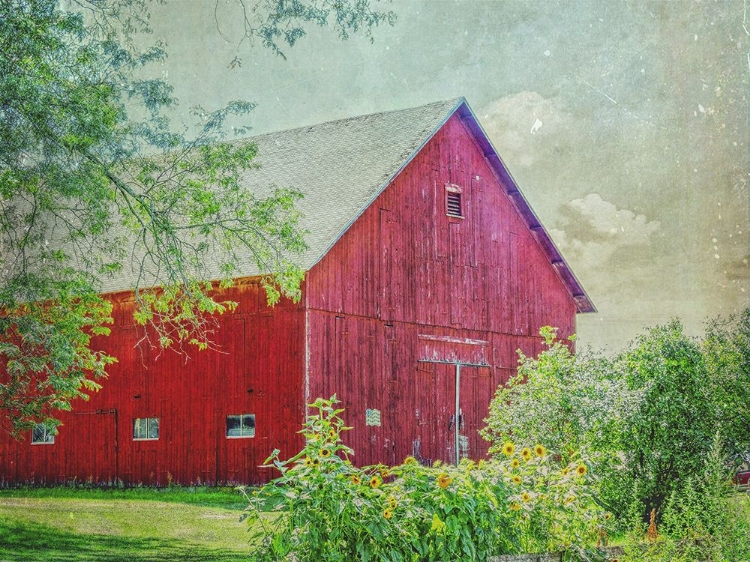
(516, 479)
(515, 463)
(410, 460)
(581, 470)
(514, 506)
(375, 482)
(308, 461)
(525, 497)
(388, 513)
(526, 453)
(332, 434)
(444, 480)
(540, 451)
(315, 462)
(565, 471)
(569, 499)
(384, 472)
(607, 516)
(356, 480)
(325, 452)
(392, 502)
(508, 449)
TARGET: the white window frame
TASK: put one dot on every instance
(48, 435)
(149, 423)
(245, 431)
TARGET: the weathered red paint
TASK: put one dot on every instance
(403, 286)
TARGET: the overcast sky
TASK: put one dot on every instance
(625, 124)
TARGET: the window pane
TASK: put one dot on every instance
(153, 428)
(139, 428)
(248, 425)
(233, 426)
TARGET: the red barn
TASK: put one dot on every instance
(427, 270)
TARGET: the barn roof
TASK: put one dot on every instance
(342, 166)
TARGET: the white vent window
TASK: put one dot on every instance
(241, 425)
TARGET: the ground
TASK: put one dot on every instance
(105, 526)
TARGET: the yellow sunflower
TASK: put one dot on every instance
(444, 480)
(392, 502)
(516, 479)
(526, 453)
(540, 451)
(332, 434)
(325, 452)
(569, 499)
(308, 461)
(525, 497)
(355, 479)
(410, 460)
(514, 506)
(581, 470)
(565, 471)
(375, 482)
(388, 513)
(515, 463)
(508, 449)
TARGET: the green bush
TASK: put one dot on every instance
(645, 418)
(323, 508)
(703, 520)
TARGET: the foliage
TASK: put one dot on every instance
(646, 417)
(95, 184)
(275, 22)
(322, 507)
(702, 520)
(726, 349)
(669, 436)
(570, 401)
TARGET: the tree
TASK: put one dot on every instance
(726, 349)
(88, 191)
(646, 418)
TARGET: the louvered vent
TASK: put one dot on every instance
(454, 205)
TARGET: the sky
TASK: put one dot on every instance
(624, 123)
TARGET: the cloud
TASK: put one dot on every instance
(515, 122)
(592, 230)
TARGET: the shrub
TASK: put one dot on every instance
(323, 508)
(703, 519)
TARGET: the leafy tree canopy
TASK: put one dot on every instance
(87, 191)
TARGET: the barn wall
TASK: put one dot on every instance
(257, 369)
(405, 270)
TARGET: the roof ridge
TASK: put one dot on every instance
(454, 102)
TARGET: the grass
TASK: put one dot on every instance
(137, 525)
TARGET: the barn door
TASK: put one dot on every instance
(434, 411)
(451, 407)
(94, 448)
(452, 397)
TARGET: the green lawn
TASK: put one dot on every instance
(135, 526)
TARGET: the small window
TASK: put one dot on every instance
(453, 201)
(42, 435)
(145, 428)
(241, 426)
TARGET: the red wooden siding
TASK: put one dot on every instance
(407, 283)
(257, 370)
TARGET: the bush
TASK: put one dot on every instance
(703, 519)
(323, 508)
